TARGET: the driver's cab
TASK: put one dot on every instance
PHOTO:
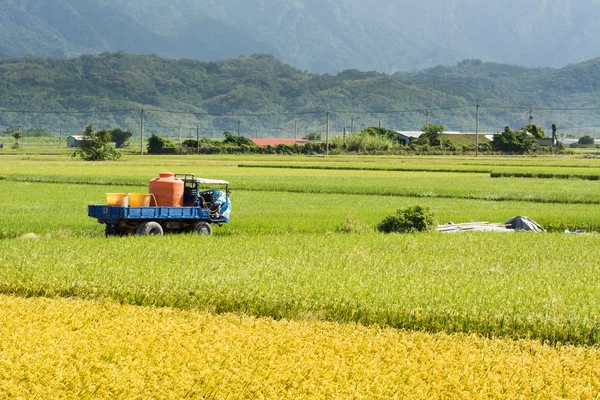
(200, 192)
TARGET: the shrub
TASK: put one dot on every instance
(408, 220)
(159, 145)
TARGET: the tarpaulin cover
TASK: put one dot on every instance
(523, 224)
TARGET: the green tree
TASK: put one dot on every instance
(237, 140)
(313, 136)
(432, 134)
(533, 130)
(120, 137)
(586, 140)
(517, 142)
(18, 136)
(380, 132)
(96, 146)
(157, 145)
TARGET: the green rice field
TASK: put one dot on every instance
(302, 244)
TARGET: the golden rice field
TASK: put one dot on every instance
(61, 348)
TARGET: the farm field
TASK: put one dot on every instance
(81, 349)
(302, 249)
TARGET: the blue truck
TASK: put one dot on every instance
(202, 209)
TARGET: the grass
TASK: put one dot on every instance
(541, 287)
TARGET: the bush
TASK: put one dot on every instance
(96, 146)
(159, 145)
(408, 220)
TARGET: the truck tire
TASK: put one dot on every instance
(150, 228)
(110, 230)
(202, 228)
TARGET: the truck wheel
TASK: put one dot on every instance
(202, 228)
(110, 230)
(150, 228)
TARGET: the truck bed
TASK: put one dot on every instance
(114, 214)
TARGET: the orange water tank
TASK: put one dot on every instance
(167, 190)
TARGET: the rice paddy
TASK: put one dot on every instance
(290, 258)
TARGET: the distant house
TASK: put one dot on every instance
(275, 142)
(405, 137)
(74, 140)
(546, 142)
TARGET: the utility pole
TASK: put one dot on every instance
(239, 128)
(352, 125)
(379, 124)
(426, 118)
(198, 138)
(60, 136)
(327, 136)
(295, 129)
(179, 136)
(530, 116)
(344, 137)
(477, 130)
(142, 134)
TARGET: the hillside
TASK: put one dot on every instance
(184, 91)
(314, 35)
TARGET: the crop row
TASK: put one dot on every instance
(511, 285)
(77, 349)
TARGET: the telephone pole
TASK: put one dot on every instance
(352, 125)
(142, 134)
(295, 129)
(426, 117)
(60, 136)
(198, 138)
(327, 136)
(179, 136)
(239, 128)
(530, 116)
(477, 130)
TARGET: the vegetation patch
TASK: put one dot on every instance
(408, 220)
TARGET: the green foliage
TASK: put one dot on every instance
(586, 140)
(17, 136)
(257, 84)
(364, 143)
(535, 131)
(159, 145)
(96, 146)
(408, 220)
(431, 135)
(237, 140)
(313, 136)
(516, 142)
(120, 137)
(379, 132)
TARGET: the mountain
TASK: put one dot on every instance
(267, 97)
(314, 35)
